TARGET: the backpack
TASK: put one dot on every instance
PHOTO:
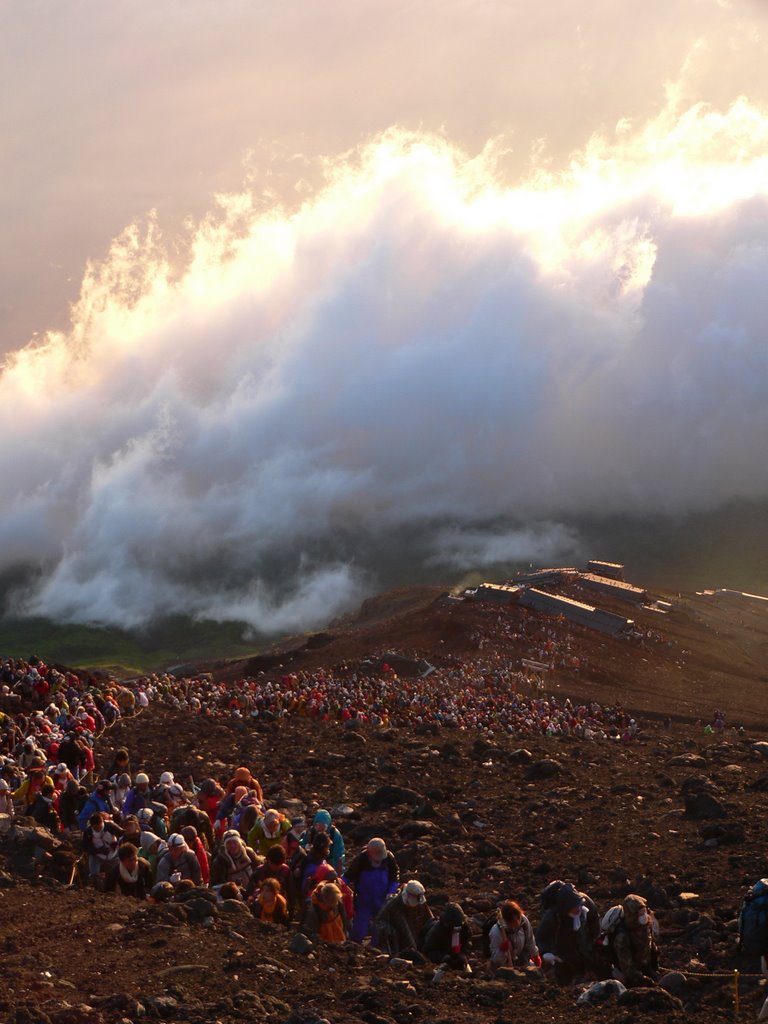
(610, 923)
(490, 921)
(753, 920)
(549, 895)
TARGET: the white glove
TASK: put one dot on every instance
(550, 958)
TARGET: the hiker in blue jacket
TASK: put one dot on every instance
(373, 875)
(323, 824)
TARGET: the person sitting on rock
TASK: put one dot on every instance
(325, 918)
(131, 875)
(566, 935)
(401, 920)
(323, 824)
(447, 939)
(511, 939)
(234, 862)
(270, 904)
(634, 949)
(269, 831)
(101, 839)
(178, 863)
(373, 875)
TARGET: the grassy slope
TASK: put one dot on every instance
(165, 643)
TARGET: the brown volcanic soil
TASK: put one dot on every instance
(610, 817)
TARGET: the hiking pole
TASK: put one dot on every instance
(736, 990)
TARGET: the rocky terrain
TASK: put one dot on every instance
(677, 816)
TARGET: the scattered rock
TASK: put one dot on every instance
(300, 944)
(653, 1000)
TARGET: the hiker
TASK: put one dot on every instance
(99, 800)
(6, 799)
(567, 932)
(401, 920)
(270, 904)
(275, 867)
(196, 845)
(178, 863)
(209, 798)
(373, 875)
(152, 849)
(510, 940)
(36, 778)
(316, 858)
(234, 862)
(131, 875)
(100, 841)
(243, 777)
(325, 918)
(43, 811)
(268, 831)
(122, 786)
(322, 823)
(121, 765)
(151, 820)
(187, 814)
(71, 802)
(447, 940)
(138, 796)
(634, 951)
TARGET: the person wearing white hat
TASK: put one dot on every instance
(178, 862)
(399, 923)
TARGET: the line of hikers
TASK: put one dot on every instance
(168, 844)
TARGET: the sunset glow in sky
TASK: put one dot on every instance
(285, 284)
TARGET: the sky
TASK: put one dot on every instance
(291, 293)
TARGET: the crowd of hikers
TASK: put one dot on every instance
(164, 841)
(161, 840)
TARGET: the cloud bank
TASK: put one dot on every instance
(318, 396)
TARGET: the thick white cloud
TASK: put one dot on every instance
(326, 392)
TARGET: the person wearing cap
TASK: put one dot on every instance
(138, 795)
(61, 776)
(323, 824)
(37, 777)
(400, 921)
(131, 875)
(511, 938)
(269, 831)
(152, 820)
(566, 935)
(178, 863)
(633, 949)
(99, 800)
(100, 841)
(448, 939)
(234, 862)
(373, 875)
